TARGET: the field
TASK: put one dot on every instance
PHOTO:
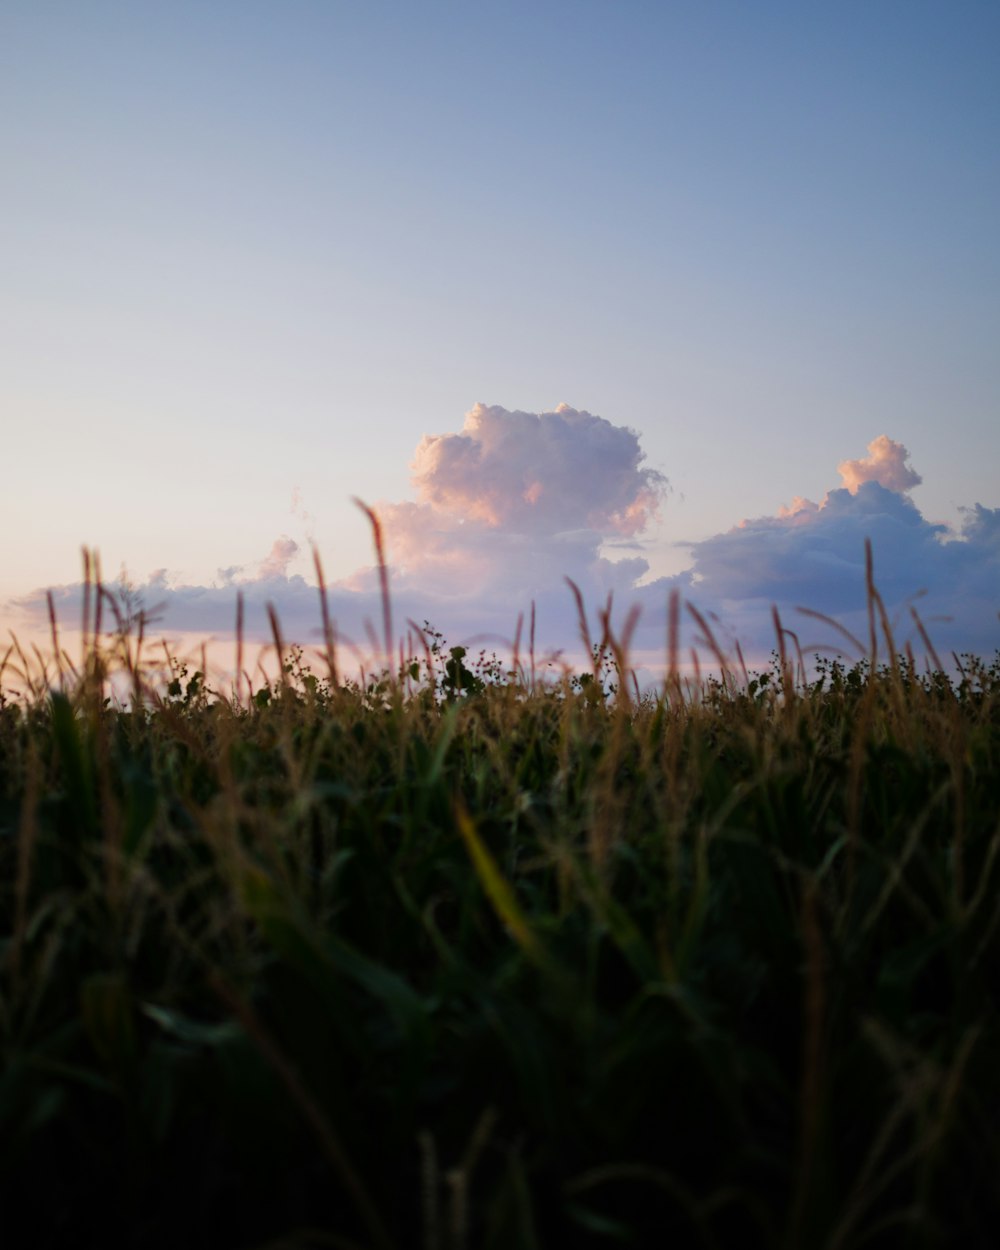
(457, 957)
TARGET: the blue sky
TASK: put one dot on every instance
(256, 251)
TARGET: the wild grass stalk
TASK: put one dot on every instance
(383, 578)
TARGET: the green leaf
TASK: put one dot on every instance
(499, 892)
(76, 764)
(108, 1017)
(599, 1225)
(192, 1032)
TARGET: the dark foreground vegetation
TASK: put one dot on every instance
(459, 959)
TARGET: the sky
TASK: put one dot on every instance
(605, 290)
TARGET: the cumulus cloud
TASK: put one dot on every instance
(513, 503)
(813, 555)
(538, 473)
(885, 464)
(816, 553)
(515, 500)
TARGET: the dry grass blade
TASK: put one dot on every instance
(844, 632)
(99, 596)
(673, 639)
(875, 599)
(515, 651)
(54, 631)
(743, 663)
(383, 576)
(712, 643)
(800, 658)
(619, 648)
(779, 631)
(239, 644)
(581, 616)
(531, 644)
(925, 639)
(279, 644)
(870, 594)
(85, 610)
(329, 640)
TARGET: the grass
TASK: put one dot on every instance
(455, 957)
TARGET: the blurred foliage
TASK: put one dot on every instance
(455, 957)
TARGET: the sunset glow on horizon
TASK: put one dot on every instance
(679, 266)
(516, 505)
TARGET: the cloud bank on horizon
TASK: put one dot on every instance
(515, 502)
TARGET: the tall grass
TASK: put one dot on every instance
(450, 956)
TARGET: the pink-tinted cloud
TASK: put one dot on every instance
(885, 464)
(798, 511)
(515, 502)
(274, 566)
(276, 562)
(534, 473)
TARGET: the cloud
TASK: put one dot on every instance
(816, 553)
(513, 503)
(982, 526)
(813, 555)
(885, 464)
(538, 473)
(275, 563)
